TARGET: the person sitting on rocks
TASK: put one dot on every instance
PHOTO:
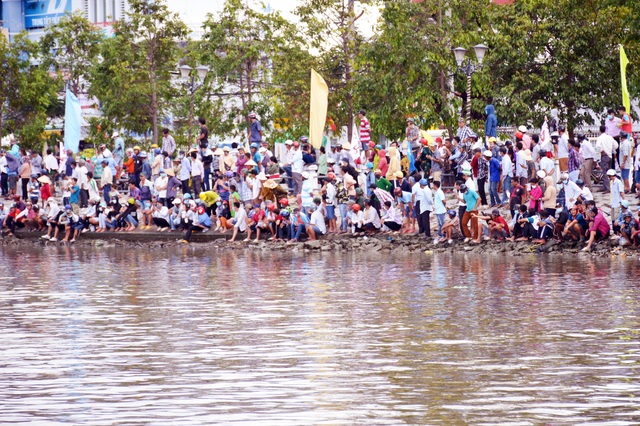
(239, 221)
(451, 228)
(355, 218)
(518, 226)
(371, 218)
(316, 226)
(200, 223)
(545, 227)
(599, 230)
(529, 225)
(392, 217)
(627, 229)
(283, 225)
(560, 222)
(299, 221)
(577, 225)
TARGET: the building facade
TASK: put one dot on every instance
(35, 15)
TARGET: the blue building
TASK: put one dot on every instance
(34, 15)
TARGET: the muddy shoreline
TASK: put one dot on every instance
(382, 244)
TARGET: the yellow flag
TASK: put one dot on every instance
(318, 109)
(624, 61)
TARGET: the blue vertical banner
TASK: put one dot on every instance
(72, 117)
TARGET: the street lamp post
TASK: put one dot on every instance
(194, 81)
(468, 67)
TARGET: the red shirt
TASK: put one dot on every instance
(474, 166)
(45, 192)
(500, 221)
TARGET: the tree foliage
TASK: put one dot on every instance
(133, 80)
(26, 91)
(564, 54)
(70, 48)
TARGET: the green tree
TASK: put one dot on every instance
(408, 68)
(133, 80)
(71, 48)
(547, 54)
(26, 91)
(331, 30)
(246, 50)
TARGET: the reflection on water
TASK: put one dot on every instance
(138, 337)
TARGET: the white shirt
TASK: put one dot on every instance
(547, 165)
(82, 177)
(331, 195)
(625, 149)
(49, 162)
(318, 220)
(586, 194)
(163, 213)
(471, 184)
(563, 146)
(256, 187)
(371, 216)
(507, 166)
(297, 164)
(161, 182)
(3, 164)
(197, 169)
(616, 189)
(241, 219)
(587, 150)
(606, 144)
(571, 193)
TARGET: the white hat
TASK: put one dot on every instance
(523, 129)
(115, 135)
(541, 174)
(262, 150)
(218, 152)
(564, 175)
(466, 172)
(346, 145)
(262, 176)
(313, 167)
(288, 142)
(487, 153)
(611, 172)
(177, 201)
(250, 163)
(305, 175)
(226, 148)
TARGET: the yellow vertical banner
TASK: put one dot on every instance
(318, 109)
(624, 61)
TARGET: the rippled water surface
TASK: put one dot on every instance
(116, 336)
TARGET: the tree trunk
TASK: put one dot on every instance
(347, 40)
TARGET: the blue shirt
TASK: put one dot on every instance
(75, 194)
(204, 220)
(254, 132)
(470, 197)
(494, 170)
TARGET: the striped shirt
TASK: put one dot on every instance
(365, 130)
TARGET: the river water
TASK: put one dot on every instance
(132, 336)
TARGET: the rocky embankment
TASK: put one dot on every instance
(381, 244)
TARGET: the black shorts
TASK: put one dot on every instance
(599, 235)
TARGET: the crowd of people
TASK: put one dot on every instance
(540, 186)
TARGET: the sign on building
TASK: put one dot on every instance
(40, 13)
